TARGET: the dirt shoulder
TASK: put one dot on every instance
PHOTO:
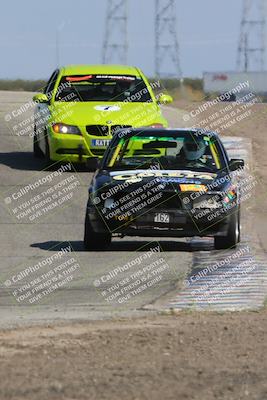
(184, 356)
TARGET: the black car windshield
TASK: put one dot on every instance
(182, 150)
(107, 88)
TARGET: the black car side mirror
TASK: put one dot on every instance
(236, 163)
(93, 163)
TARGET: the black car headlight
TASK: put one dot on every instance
(109, 203)
(208, 202)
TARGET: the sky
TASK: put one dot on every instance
(207, 30)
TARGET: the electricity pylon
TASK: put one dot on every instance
(252, 43)
(166, 48)
(115, 47)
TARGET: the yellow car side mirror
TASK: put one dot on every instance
(40, 98)
(165, 99)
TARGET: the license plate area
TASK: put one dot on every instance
(162, 218)
(100, 142)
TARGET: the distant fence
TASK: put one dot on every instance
(22, 85)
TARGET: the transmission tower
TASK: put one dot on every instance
(115, 45)
(252, 44)
(167, 48)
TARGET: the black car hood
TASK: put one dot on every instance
(170, 177)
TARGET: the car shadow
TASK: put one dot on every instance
(22, 161)
(129, 245)
(25, 161)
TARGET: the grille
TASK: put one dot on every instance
(115, 128)
(71, 151)
(97, 130)
(103, 130)
(168, 200)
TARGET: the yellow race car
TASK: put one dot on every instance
(82, 107)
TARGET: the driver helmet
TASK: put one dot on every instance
(194, 148)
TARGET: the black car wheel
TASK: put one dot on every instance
(233, 234)
(94, 240)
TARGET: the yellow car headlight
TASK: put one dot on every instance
(66, 129)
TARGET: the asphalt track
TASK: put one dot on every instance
(28, 245)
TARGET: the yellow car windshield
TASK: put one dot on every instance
(107, 88)
(166, 151)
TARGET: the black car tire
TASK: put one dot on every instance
(94, 240)
(233, 234)
(37, 152)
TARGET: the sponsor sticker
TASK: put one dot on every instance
(107, 108)
(140, 175)
(78, 78)
(117, 77)
(180, 180)
(193, 188)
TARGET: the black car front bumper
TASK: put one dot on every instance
(181, 224)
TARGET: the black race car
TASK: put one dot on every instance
(164, 183)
